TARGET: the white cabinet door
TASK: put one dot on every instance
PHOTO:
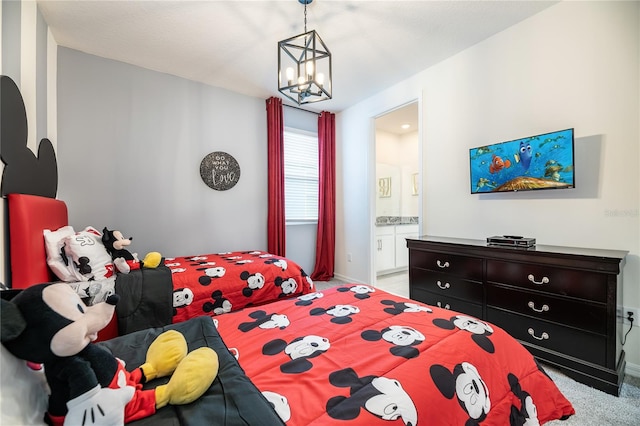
(402, 252)
(385, 248)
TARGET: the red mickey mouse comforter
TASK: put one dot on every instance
(358, 354)
(214, 284)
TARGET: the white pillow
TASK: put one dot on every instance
(90, 258)
(53, 242)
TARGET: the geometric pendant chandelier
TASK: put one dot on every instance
(304, 66)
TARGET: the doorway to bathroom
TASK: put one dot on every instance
(397, 206)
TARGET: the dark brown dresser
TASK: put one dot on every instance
(559, 302)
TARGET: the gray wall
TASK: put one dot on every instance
(130, 145)
(11, 38)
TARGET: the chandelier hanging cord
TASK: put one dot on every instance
(305, 16)
(305, 27)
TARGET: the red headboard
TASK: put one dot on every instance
(29, 216)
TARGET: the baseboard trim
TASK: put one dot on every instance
(632, 370)
(348, 279)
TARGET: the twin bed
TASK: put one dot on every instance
(351, 354)
(179, 289)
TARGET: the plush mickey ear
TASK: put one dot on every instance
(13, 323)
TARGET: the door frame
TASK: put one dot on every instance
(373, 194)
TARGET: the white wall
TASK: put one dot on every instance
(575, 64)
(409, 164)
(396, 157)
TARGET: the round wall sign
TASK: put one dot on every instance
(220, 171)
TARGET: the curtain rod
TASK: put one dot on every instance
(301, 109)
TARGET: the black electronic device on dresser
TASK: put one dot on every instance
(559, 302)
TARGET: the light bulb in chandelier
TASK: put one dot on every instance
(289, 75)
(309, 69)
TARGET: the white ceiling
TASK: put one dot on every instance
(233, 44)
(400, 121)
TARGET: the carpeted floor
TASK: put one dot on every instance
(593, 407)
(321, 285)
(596, 408)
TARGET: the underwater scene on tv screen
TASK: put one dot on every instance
(537, 162)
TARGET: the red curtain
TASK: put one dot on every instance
(275, 154)
(326, 237)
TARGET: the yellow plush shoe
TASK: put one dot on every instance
(152, 260)
(164, 355)
(191, 379)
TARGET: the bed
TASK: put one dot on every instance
(179, 289)
(354, 355)
(262, 277)
(358, 355)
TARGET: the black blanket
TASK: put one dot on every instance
(146, 299)
(231, 400)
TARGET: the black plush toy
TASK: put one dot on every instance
(115, 244)
(49, 324)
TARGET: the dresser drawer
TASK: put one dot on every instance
(446, 302)
(569, 341)
(461, 266)
(551, 279)
(447, 285)
(571, 312)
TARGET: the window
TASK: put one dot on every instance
(300, 176)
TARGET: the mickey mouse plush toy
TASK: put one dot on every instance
(49, 324)
(115, 244)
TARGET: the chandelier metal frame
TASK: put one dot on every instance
(303, 61)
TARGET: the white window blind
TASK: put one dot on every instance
(300, 176)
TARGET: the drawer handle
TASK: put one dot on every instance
(442, 265)
(445, 286)
(544, 280)
(544, 336)
(445, 306)
(544, 308)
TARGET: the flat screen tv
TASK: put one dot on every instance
(543, 161)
